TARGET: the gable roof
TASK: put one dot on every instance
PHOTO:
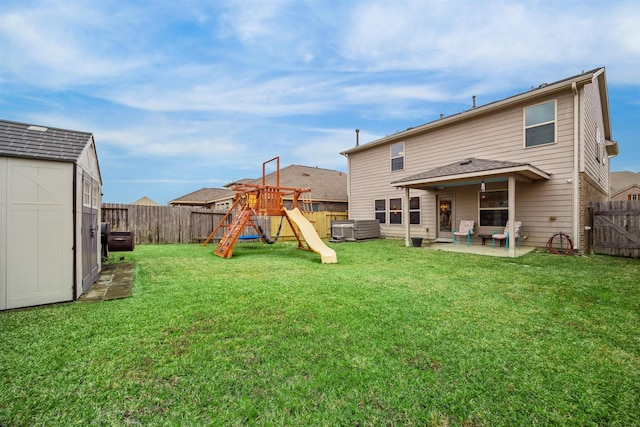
(543, 90)
(40, 142)
(325, 184)
(621, 181)
(470, 169)
(203, 196)
(145, 201)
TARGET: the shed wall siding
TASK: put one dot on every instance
(87, 162)
(3, 234)
(499, 136)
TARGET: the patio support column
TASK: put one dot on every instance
(405, 217)
(512, 215)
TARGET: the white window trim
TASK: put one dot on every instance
(419, 210)
(392, 157)
(86, 193)
(554, 121)
(400, 210)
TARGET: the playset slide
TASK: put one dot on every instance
(314, 241)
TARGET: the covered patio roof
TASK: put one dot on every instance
(472, 171)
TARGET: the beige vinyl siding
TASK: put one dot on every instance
(495, 136)
(597, 171)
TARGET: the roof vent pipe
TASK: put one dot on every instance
(474, 101)
(357, 137)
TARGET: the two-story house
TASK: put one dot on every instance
(536, 157)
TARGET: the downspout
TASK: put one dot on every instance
(348, 186)
(576, 166)
(405, 217)
(74, 198)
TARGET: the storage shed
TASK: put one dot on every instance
(50, 196)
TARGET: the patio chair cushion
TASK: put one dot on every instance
(466, 228)
(503, 235)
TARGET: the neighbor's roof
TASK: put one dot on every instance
(203, 196)
(326, 185)
(145, 201)
(40, 142)
(623, 180)
(542, 90)
(469, 169)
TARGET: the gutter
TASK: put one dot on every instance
(464, 115)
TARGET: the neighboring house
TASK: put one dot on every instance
(209, 198)
(538, 157)
(50, 196)
(625, 186)
(328, 189)
(145, 201)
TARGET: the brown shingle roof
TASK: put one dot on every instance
(469, 167)
(622, 180)
(145, 201)
(325, 184)
(203, 196)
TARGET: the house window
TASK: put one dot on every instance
(540, 124)
(414, 210)
(395, 211)
(598, 144)
(381, 210)
(397, 156)
(494, 208)
(86, 193)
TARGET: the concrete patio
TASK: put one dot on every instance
(477, 249)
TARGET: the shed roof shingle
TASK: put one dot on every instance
(39, 142)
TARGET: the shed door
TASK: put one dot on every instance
(90, 230)
(39, 226)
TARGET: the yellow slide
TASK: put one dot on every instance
(314, 241)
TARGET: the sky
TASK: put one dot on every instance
(182, 95)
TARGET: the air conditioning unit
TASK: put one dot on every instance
(342, 230)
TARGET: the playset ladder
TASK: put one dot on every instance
(225, 247)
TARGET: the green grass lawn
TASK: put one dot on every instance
(388, 336)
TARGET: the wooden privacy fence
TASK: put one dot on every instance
(615, 228)
(183, 224)
(321, 222)
(162, 224)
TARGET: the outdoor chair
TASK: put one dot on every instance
(465, 230)
(505, 235)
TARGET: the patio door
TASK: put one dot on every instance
(446, 206)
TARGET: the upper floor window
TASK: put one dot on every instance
(397, 156)
(540, 124)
